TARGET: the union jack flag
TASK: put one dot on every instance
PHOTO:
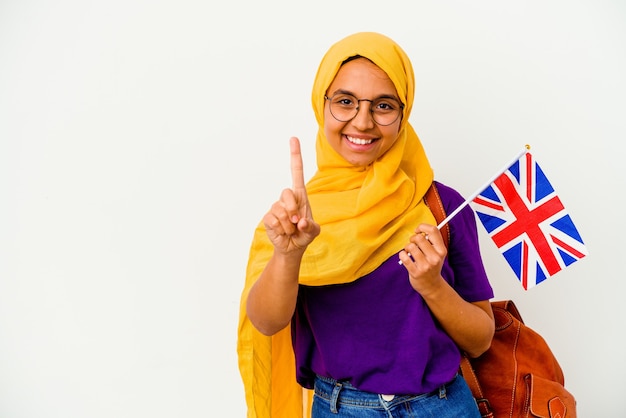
(528, 223)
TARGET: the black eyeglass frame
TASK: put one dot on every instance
(358, 106)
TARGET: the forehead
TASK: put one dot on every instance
(364, 78)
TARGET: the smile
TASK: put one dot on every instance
(359, 141)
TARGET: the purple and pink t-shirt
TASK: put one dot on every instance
(377, 332)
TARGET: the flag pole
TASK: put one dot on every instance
(483, 187)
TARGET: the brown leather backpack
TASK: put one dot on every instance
(518, 376)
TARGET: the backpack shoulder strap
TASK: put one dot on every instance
(433, 201)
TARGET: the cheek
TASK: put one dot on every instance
(331, 125)
(327, 115)
(390, 137)
(391, 133)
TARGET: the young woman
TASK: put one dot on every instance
(350, 290)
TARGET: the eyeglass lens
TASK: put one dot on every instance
(384, 110)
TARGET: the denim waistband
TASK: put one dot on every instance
(343, 392)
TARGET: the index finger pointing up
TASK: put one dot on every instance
(297, 171)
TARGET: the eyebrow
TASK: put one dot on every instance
(382, 96)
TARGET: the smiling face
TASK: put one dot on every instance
(361, 141)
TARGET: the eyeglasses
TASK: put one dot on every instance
(344, 107)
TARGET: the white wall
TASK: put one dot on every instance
(141, 141)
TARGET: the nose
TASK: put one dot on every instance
(364, 118)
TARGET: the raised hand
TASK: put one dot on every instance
(289, 222)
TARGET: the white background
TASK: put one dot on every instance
(141, 142)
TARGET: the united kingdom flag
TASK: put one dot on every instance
(528, 223)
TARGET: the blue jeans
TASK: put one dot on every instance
(335, 399)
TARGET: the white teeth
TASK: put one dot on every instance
(359, 141)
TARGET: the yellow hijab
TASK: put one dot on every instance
(366, 215)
